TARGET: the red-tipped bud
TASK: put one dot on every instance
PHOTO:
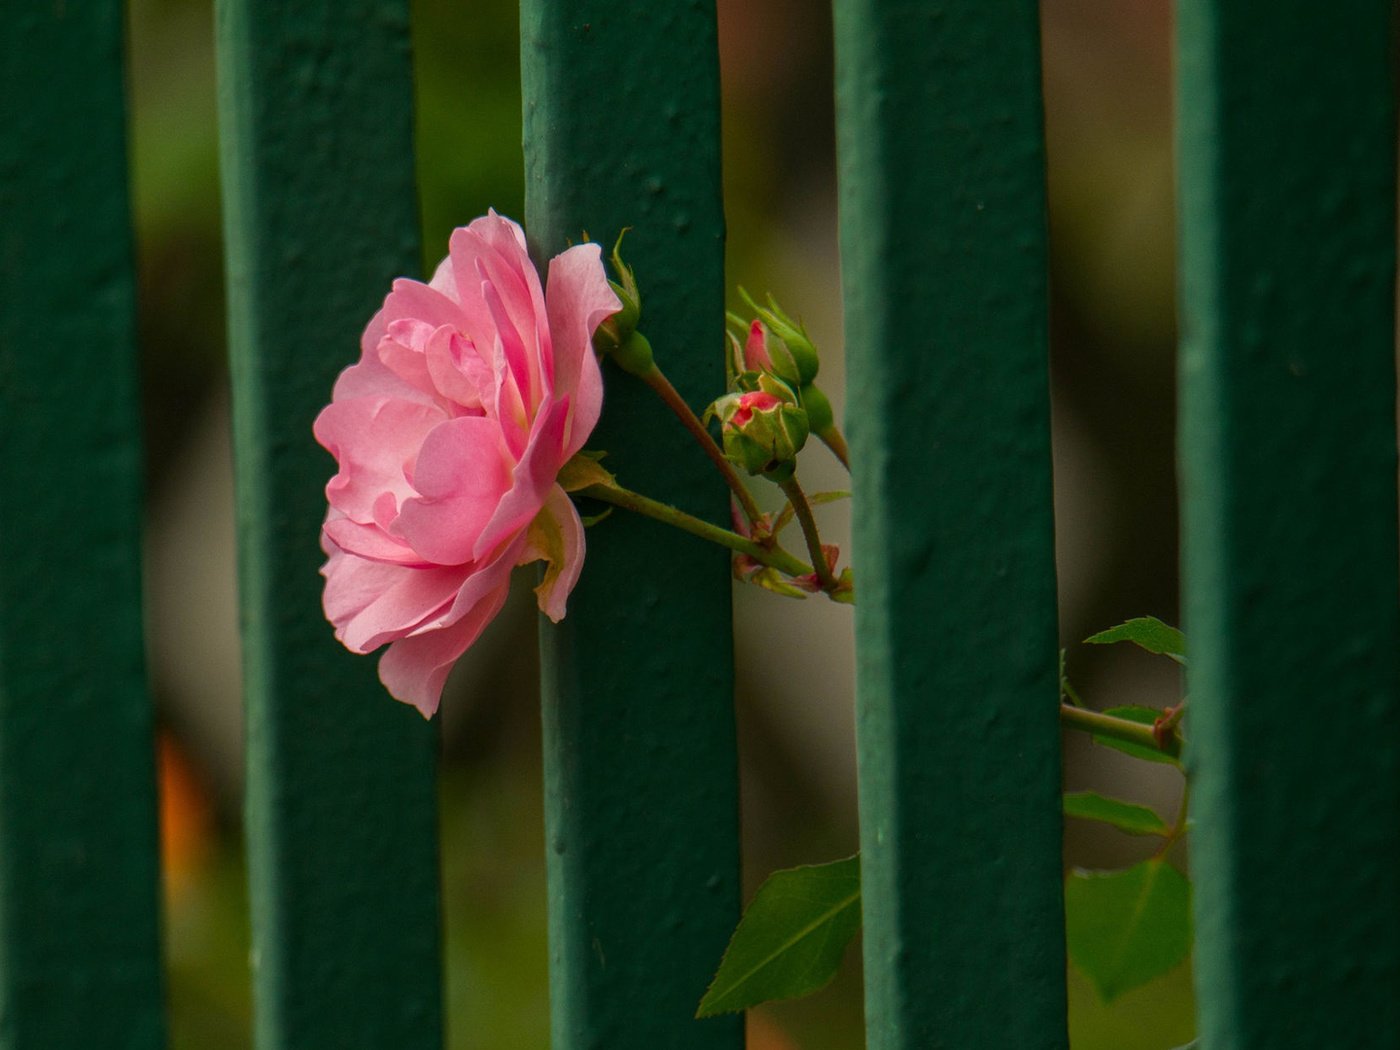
(778, 344)
(762, 432)
(756, 357)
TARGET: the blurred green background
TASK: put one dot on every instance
(1108, 100)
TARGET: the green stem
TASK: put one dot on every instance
(657, 380)
(1178, 828)
(1164, 728)
(1070, 694)
(802, 510)
(776, 558)
(1118, 728)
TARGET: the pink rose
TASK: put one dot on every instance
(470, 394)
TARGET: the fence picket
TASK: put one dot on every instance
(79, 941)
(1286, 147)
(944, 261)
(622, 129)
(320, 213)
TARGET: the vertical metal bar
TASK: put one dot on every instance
(622, 129)
(943, 252)
(320, 209)
(1286, 147)
(79, 931)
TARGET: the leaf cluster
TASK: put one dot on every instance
(1123, 927)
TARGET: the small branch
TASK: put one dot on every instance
(657, 380)
(628, 500)
(1165, 727)
(1178, 828)
(1075, 700)
(1119, 729)
(802, 510)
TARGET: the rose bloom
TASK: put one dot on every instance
(471, 392)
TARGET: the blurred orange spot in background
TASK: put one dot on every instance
(186, 817)
(764, 1034)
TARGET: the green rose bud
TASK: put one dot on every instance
(819, 415)
(634, 355)
(779, 344)
(614, 332)
(762, 432)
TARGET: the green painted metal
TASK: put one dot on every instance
(320, 212)
(622, 129)
(1286, 145)
(79, 931)
(943, 252)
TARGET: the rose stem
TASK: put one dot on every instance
(1178, 827)
(657, 380)
(1118, 728)
(802, 510)
(627, 499)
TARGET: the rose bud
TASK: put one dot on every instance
(762, 432)
(784, 342)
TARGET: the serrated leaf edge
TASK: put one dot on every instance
(827, 916)
(1100, 637)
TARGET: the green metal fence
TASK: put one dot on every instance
(1287, 175)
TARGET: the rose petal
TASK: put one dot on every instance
(455, 370)
(370, 438)
(491, 572)
(756, 357)
(579, 300)
(534, 474)
(352, 583)
(401, 350)
(462, 475)
(505, 262)
(415, 596)
(415, 669)
(496, 245)
(416, 300)
(444, 280)
(371, 378)
(522, 360)
(371, 542)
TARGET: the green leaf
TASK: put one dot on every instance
(771, 580)
(1124, 928)
(1146, 716)
(1149, 633)
(1125, 816)
(791, 938)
